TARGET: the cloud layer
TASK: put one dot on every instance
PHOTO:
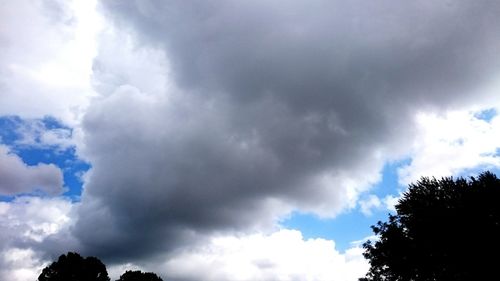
(264, 107)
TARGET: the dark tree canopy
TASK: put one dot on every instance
(73, 267)
(139, 276)
(444, 230)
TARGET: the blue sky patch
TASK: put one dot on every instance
(352, 225)
(8, 129)
(486, 115)
(13, 133)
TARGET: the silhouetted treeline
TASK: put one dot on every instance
(444, 230)
(73, 267)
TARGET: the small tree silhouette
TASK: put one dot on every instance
(73, 267)
(443, 230)
(139, 276)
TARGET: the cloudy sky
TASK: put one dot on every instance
(233, 140)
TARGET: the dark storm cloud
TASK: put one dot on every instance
(281, 105)
(322, 53)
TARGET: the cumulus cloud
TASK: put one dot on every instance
(20, 265)
(279, 256)
(264, 107)
(46, 49)
(192, 178)
(26, 223)
(16, 177)
(452, 143)
(30, 224)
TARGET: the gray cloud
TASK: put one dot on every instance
(275, 105)
(16, 177)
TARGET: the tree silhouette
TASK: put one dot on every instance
(139, 276)
(444, 230)
(73, 267)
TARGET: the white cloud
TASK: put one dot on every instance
(20, 265)
(390, 202)
(46, 51)
(450, 143)
(17, 177)
(26, 222)
(368, 204)
(35, 133)
(328, 202)
(280, 256)
(116, 270)
(34, 218)
(371, 203)
(359, 243)
(121, 61)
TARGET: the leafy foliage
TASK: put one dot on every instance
(73, 267)
(444, 230)
(139, 276)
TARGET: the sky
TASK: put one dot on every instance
(233, 140)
